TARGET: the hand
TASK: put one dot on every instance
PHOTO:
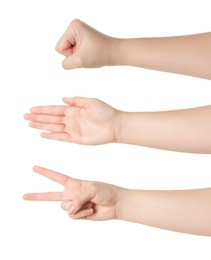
(85, 47)
(83, 121)
(178, 210)
(81, 199)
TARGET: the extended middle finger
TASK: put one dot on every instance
(45, 118)
(49, 110)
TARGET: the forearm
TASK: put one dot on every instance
(187, 130)
(187, 211)
(189, 55)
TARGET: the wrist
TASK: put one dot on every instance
(115, 51)
(120, 51)
(130, 52)
(121, 118)
(122, 207)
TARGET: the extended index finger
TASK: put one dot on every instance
(49, 110)
(54, 176)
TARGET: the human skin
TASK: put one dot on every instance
(187, 211)
(90, 121)
(83, 46)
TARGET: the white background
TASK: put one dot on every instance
(31, 75)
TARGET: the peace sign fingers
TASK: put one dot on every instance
(52, 175)
(44, 196)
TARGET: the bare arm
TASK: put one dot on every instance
(188, 55)
(187, 130)
(187, 211)
(83, 46)
(91, 121)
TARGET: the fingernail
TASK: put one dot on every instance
(71, 209)
(89, 211)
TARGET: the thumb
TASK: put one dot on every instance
(72, 62)
(87, 195)
(77, 101)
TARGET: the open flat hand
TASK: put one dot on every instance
(84, 121)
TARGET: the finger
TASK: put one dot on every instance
(57, 136)
(72, 62)
(77, 101)
(80, 200)
(65, 205)
(64, 46)
(87, 205)
(82, 214)
(45, 118)
(69, 38)
(49, 110)
(52, 175)
(44, 196)
(54, 128)
(67, 52)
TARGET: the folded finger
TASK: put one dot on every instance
(54, 128)
(64, 46)
(82, 214)
(65, 205)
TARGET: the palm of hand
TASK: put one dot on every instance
(92, 125)
(84, 121)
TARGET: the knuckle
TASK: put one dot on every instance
(59, 45)
(58, 48)
(76, 21)
(65, 65)
(94, 185)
